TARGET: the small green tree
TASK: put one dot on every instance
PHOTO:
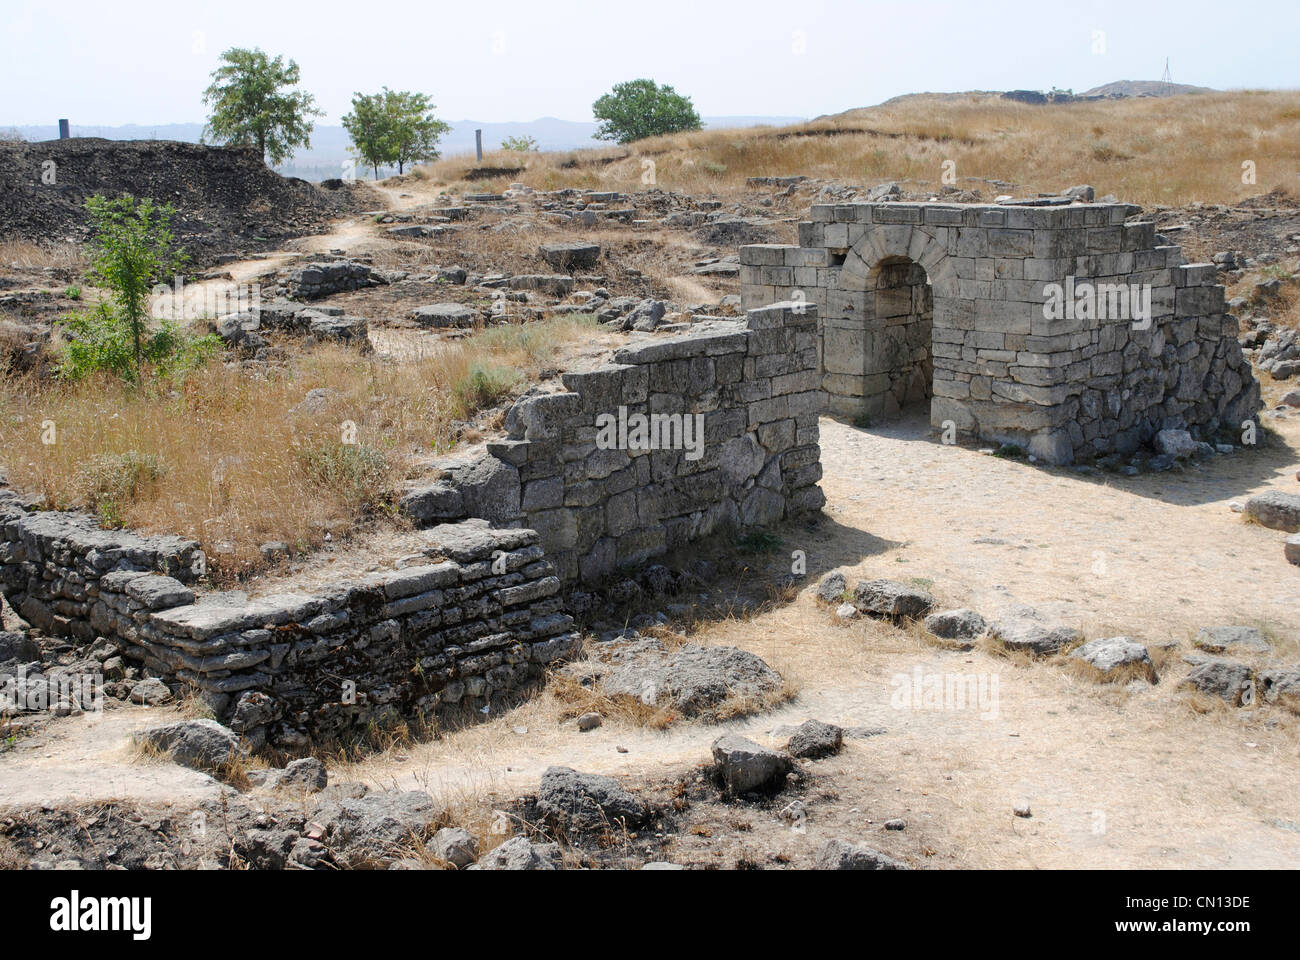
(414, 130)
(641, 108)
(394, 126)
(133, 250)
(252, 105)
(521, 144)
(368, 127)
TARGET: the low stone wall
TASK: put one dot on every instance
(1066, 327)
(472, 627)
(315, 280)
(571, 468)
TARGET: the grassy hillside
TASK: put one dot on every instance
(1149, 151)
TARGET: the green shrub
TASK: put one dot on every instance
(482, 386)
(98, 341)
(133, 251)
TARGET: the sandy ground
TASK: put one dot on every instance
(1116, 777)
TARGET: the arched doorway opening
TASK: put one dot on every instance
(899, 359)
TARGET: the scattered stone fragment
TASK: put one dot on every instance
(1022, 809)
(814, 740)
(746, 766)
(846, 611)
(889, 598)
(150, 692)
(1226, 679)
(588, 801)
(1231, 639)
(842, 855)
(516, 853)
(896, 824)
(1281, 685)
(1113, 655)
(455, 845)
(1033, 637)
(832, 588)
(1275, 510)
(201, 744)
(307, 775)
(589, 721)
(962, 624)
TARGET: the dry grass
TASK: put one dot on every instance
(222, 457)
(31, 256)
(1149, 151)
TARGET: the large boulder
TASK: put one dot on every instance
(693, 680)
(201, 744)
(832, 588)
(365, 831)
(842, 855)
(961, 624)
(1116, 657)
(745, 766)
(455, 845)
(1030, 636)
(518, 853)
(1225, 679)
(1176, 443)
(1281, 685)
(1232, 639)
(814, 739)
(889, 598)
(570, 256)
(18, 646)
(444, 315)
(588, 801)
(1275, 510)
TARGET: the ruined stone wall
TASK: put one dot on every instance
(755, 387)
(472, 626)
(1068, 386)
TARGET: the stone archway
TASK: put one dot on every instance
(894, 280)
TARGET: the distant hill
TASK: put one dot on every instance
(1144, 88)
(329, 143)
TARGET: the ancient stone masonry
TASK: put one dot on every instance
(474, 624)
(731, 441)
(1064, 327)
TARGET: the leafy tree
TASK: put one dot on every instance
(133, 250)
(521, 144)
(252, 105)
(640, 108)
(394, 126)
(367, 125)
(415, 131)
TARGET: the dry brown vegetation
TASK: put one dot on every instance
(1137, 149)
(223, 457)
(30, 256)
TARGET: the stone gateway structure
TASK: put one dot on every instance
(1068, 328)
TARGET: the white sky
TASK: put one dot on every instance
(148, 61)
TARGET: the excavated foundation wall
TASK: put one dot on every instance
(1069, 329)
(600, 501)
(469, 629)
(476, 624)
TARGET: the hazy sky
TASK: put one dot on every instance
(147, 62)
